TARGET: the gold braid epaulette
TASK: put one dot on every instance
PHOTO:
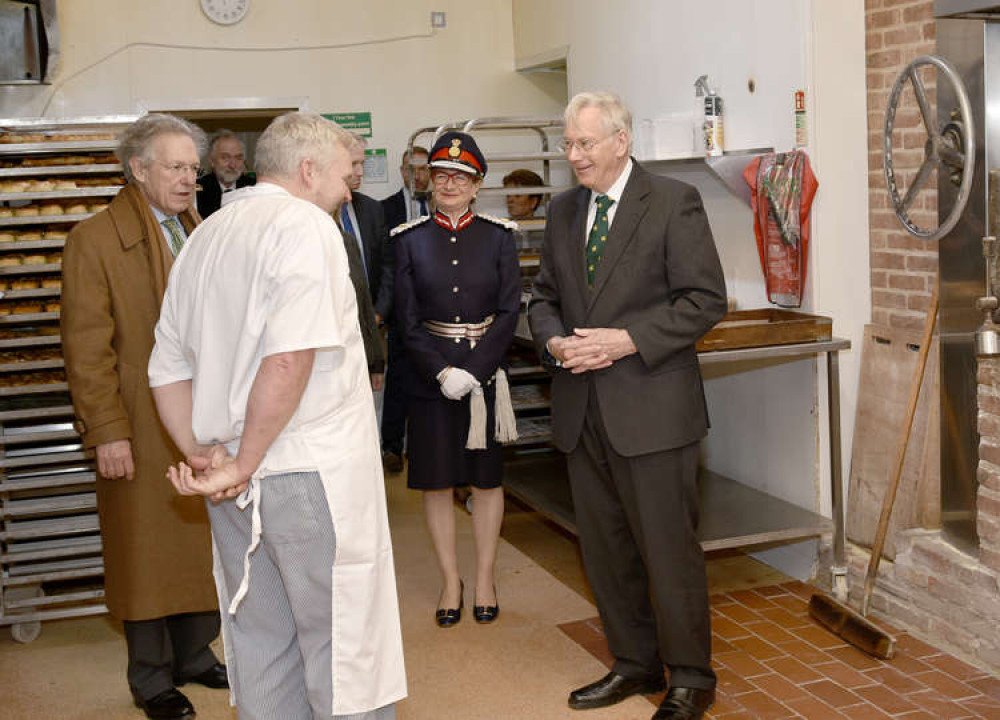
(503, 222)
(406, 226)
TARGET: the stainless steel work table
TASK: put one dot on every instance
(732, 514)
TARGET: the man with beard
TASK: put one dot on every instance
(226, 156)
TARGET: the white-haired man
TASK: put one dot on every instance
(157, 548)
(259, 375)
(630, 279)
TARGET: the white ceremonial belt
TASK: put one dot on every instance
(466, 331)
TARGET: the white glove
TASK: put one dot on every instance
(456, 383)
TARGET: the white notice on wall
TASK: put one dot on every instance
(376, 166)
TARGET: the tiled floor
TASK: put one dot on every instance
(773, 661)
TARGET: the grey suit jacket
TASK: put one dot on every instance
(660, 279)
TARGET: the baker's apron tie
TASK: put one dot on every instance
(250, 495)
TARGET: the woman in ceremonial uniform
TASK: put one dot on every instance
(457, 298)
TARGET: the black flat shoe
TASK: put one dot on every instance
(168, 705)
(485, 614)
(215, 677)
(683, 703)
(450, 617)
(612, 689)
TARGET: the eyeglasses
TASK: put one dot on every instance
(460, 179)
(178, 169)
(585, 146)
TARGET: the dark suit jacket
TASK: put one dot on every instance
(394, 208)
(370, 336)
(660, 279)
(210, 195)
(378, 258)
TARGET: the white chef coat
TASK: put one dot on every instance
(267, 274)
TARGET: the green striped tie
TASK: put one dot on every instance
(176, 235)
(598, 237)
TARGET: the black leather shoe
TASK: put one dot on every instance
(392, 462)
(215, 677)
(485, 614)
(613, 688)
(683, 703)
(168, 705)
(449, 617)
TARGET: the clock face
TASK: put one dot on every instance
(225, 12)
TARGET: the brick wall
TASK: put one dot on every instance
(933, 589)
(902, 266)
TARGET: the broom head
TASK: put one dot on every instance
(852, 626)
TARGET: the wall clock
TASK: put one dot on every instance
(225, 12)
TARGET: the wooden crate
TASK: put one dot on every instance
(766, 326)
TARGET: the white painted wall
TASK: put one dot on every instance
(119, 56)
(769, 423)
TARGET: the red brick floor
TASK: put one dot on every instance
(773, 661)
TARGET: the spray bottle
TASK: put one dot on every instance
(711, 117)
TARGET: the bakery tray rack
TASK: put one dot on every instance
(52, 175)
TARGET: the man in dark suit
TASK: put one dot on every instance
(630, 279)
(401, 208)
(416, 183)
(226, 157)
(364, 219)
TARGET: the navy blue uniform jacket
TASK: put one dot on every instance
(456, 276)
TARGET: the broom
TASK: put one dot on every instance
(838, 617)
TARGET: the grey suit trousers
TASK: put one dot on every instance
(637, 518)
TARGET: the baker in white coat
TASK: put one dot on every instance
(259, 375)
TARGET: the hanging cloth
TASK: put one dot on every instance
(782, 188)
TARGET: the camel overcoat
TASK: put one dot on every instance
(157, 544)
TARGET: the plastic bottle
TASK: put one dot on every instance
(711, 118)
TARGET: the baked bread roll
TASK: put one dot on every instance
(13, 186)
(64, 184)
(27, 308)
(24, 283)
(30, 235)
(76, 209)
(6, 212)
(41, 186)
(7, 237)
(4, 310)
(52, 282)
(51, 209)
(55, 235)
(97, 207)
(17, 138)
(53, 306)
(53, 257)
(26, 211)
(10, 260)
(34, 259)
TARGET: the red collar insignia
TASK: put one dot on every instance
(444, 221)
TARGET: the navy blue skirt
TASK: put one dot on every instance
(436, 433)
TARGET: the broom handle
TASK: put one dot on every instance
(904, 439)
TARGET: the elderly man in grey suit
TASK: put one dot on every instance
(630, 279)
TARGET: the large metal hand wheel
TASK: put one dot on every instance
(951, 149)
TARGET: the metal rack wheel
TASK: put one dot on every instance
(25, 632)
(951, 148)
